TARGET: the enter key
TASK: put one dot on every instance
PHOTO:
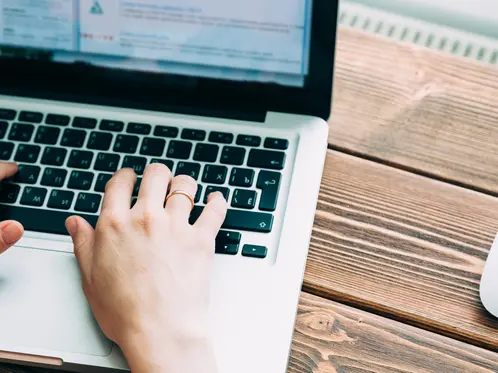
(269, 183)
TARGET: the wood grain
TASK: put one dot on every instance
(421, 110)
(333, 338)
(404, 246)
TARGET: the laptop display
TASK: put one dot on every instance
(245, 40)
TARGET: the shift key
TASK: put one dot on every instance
(241, 220)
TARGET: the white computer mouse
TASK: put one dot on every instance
(489, 281)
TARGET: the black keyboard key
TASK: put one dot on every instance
(190, 169)
(253, 251)
(206, 152)
(87, 202)
(80, 180)
(165, 131)
(107, 162)
(99, 141)
(266, 159)
(211, 189)
(8, 114)
(6, 149)
(179, 149)
(242, 177)
(139, 128)
(279, 144)
(3, 128)
(47, 135)
(101, 182)
(226, 249)
(269, 183)
(167, 162)
(27, 174)
(54, 177)
(21, 132)
(42, 220)
(30, 116)
(228, 237)
(33, 196)
(126, 144)
(54, 156)
(248, 140)
(27, 153)
(9, 193)
(73, 138)
(214, 174)
(111, 125)
(136, 188)
(241, 220)
(244, 199)
(136, 163)
(133, 202)
(190, 134)
(57, 120)
(154, 147)
(198, 194)
(221, 137)
(83, 122)
(60, 199)
(232, 155)
(80, 159)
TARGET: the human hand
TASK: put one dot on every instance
(10, 231)
(146, 271)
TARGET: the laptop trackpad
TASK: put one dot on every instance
(42, 304)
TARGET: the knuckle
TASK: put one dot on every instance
(114, 221)
(146, 221)
(185, 182)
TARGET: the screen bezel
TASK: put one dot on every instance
(166, 92)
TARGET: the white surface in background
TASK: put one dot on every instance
(419, 31)
(478, 16)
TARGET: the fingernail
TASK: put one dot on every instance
(72, 225)
(11, 233)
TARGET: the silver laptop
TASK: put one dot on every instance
(234, 93)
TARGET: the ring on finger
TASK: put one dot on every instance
(181, 193)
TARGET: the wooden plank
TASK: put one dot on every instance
(417, 109)
(332, 338)
(404, 246)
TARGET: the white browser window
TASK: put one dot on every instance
(256, 40)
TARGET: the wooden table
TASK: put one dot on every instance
(406, 216)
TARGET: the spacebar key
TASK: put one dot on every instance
(37, 220)
(241, 220)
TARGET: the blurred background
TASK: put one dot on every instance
(467, 28)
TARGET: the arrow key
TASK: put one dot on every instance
(253, 251)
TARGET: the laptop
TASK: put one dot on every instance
(234, 94)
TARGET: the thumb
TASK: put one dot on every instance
(82, 234)
(10, 233)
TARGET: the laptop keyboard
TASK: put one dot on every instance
(65, 163)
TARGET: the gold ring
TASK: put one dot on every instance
(181, 193)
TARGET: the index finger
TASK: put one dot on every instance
(118, 191)
(7, 169)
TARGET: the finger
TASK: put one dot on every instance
(179, 205)
(10, 233)
(213, 215)
(82, 235)
(7, 169)
(118, 191)
(154, 185)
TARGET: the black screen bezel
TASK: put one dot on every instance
(165, 92)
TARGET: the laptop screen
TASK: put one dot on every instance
(243, 40)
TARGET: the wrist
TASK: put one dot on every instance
(153, 353)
